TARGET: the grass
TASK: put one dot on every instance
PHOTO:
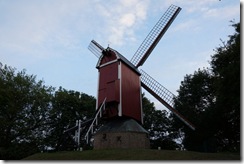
(132, 154)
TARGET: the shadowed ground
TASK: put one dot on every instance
(133, 154)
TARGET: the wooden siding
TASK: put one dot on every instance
(131, 93)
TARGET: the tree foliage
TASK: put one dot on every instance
(68, 106)
(210, 98)
(24, 104)
(225, 66)
(196, 102)
(33, 116)
(158, 125)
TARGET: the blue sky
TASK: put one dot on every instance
(49, 38)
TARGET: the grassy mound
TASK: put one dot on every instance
(132, 154)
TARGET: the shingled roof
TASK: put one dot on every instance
(122, 125)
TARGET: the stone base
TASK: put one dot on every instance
(121, 133)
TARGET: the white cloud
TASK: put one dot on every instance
(121, 19)
(127, 20)
(141, 10)
(189, 24)
(226, 12)
(195, 6)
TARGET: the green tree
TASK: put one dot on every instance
(210, 98)
(196, 101)
(24, 108)
(157, 123)
(68, 106)
(225, 66)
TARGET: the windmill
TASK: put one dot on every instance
(119, 91)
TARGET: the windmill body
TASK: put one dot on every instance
(119, 99)
(119, 82)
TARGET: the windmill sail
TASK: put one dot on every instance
(155, 35)
(162, 94)
(95, 48)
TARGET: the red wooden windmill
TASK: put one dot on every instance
(119, 89)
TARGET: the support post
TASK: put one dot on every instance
(76, 132)
(78, 139)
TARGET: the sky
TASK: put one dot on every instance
(50, 38)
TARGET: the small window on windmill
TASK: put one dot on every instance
(104, 136)
(119, 138)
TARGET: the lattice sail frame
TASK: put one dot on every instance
(163, 95)
(155, 35)
(95, 48)
(159, 89)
